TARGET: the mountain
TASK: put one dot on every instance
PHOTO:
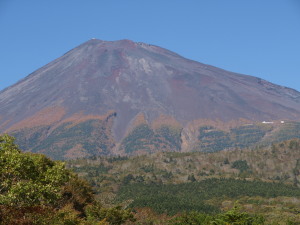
(91, 100)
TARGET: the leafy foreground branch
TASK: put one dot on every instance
(37, 190)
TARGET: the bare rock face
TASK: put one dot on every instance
(115, 82)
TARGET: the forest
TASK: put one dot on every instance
(169, 183)
(162, 188)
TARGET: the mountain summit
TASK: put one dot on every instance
(123, 83)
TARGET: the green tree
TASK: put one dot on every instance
(37, 190)
(192, 218)
(114, 216)
(236, 217)
(28, 179)
(232, 217)
(192, 178)
(241, 165)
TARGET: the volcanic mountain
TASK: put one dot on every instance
(89, 100)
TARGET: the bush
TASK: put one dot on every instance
(241, 165)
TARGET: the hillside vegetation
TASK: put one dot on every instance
(143, 139)
(264, 180)
(94, 137)
(276, 163)
(37, 190)
(68, 140)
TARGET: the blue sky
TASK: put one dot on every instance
(254, 37)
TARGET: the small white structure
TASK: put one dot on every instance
(281, 121)
(265, 122)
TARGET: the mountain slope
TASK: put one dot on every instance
(131, 80)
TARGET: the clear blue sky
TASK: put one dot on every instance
(254, 37)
